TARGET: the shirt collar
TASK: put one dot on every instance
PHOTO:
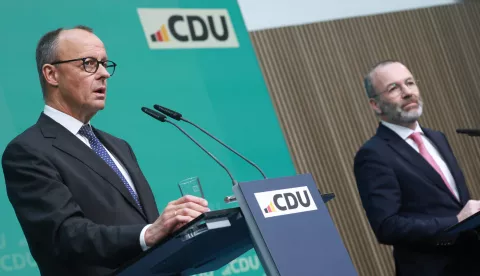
(73, 125)
(403, 132)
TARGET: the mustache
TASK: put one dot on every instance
(413, 99)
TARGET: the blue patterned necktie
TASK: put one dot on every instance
(100, 150)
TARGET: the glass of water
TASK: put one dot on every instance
(191, 186)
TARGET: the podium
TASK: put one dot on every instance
(284, 219)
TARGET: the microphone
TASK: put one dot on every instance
(177, 116)
(163, 118)
(154, 114)
(469, 132)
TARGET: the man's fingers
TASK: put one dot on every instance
(190, 198)
(192, 206)
(176, 214)
(188, 212)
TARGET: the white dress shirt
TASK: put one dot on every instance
(405, 132)
(73, 125)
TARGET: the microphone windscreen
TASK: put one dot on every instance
(154, 114)
(170, 113)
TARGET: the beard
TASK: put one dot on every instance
(395, 113)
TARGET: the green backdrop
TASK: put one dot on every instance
(221, 89)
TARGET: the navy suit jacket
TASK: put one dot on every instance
(408, 204)
(77, 216)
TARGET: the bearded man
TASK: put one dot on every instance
(410, 183)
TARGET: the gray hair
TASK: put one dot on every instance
(368, 80)
(46, 51)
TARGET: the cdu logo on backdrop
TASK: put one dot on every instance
(188, 28)
(285, 202)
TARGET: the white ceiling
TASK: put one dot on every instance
(265, 14)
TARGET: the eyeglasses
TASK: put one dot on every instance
(90, 64)
(396, 89)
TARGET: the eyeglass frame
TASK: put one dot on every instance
(402, 91)
(84, 66)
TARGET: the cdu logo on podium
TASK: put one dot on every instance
(285, 202)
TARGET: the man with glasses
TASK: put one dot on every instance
(410, 183)
(80, 197)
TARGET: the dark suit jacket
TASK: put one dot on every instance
(76, 214)
(408, 204)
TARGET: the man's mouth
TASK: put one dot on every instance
(410, 104)
(100, 90)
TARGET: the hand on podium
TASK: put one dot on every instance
(177, 213)
(472, 207)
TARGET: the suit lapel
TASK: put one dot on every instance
(70, 144)
(449, 159)
(413, 157)
(140, 186)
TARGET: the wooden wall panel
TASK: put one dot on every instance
(315, 75)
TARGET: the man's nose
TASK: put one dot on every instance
(102, 71)
(406, 91)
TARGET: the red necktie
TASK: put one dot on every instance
(416, 137)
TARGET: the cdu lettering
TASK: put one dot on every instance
(199, 28)
(291, 201)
